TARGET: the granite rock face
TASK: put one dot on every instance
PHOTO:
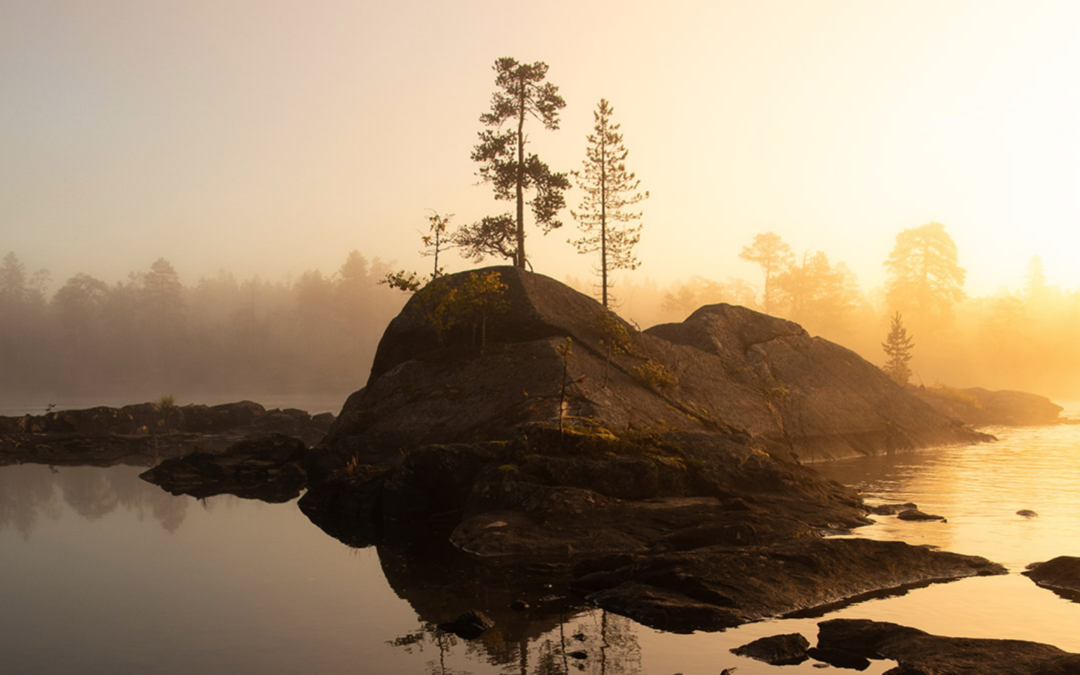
(726, 370)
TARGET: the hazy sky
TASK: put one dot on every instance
(273, 136)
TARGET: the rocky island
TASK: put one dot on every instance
(657, 472)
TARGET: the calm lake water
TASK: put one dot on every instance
(101, 572)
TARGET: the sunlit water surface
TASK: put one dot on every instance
(103, 573)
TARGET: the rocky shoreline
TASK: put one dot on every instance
(146, 433)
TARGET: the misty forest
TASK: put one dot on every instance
(156, 333)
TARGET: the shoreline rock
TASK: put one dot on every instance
(265, 468)
(721, 587)
(147, 432)
(1061, 575)
(917, 652)
(980, 407)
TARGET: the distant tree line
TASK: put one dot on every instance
(1020, 338)
(152, 333)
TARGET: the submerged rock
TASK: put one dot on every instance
(917, 515)
(891, 509)
(918, 652)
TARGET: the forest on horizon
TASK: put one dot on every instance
(153, 333)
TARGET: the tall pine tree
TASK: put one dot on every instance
(606, 224)
(522, 93)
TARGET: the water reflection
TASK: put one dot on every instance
(30, 492)
(979, 489)
(553, 633)
(244, 586)
(595, 642)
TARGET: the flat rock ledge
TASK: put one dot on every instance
(919, 653)
(721, 587)
(266, 468)
(1062, 575)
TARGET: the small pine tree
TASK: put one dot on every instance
(607, 226)
(898, 346)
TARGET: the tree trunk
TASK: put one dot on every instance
(519, 260)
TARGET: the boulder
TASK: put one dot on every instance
(891, 509)
(776, 650)
(917, 515)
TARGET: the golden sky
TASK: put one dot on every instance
(273, 136)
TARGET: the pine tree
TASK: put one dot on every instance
(521, 93)
(609, 189)
(898, 346)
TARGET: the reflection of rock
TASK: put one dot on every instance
(918, 652)
(266, 468)
(981, 407)
(720, 587)
(838, 658)
(777, 650)
(468, 626)
(1060, 574)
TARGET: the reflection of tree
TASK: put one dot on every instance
(25, 493)
(90, 493)
(28, 491)
(428, 635)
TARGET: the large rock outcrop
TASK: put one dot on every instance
(726, 369)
